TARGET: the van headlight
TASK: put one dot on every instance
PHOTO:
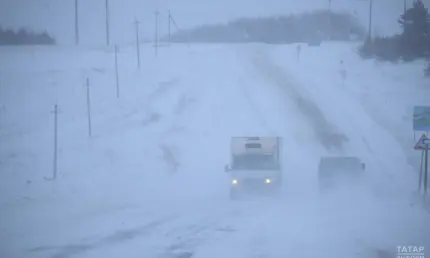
(268, 181)
(234, 181)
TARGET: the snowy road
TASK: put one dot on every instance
(150, 182)
(133, 233)
(301, 227)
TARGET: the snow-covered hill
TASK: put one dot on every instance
(150, 180)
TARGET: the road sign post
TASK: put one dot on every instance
(423, 144)
(426, 160)
(421, 122)
(420, 182)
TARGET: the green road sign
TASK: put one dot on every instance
(421, 120)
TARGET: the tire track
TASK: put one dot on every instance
(327, 133)
(118, 237)
(195, 235)
(256, 109)
(174, 236)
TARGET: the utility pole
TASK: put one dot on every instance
(116, 71)
(76, 23)
(136, 26)
(168, 26)
(329, 20)
(370, 19)
(54, 173)
(89, 107)
(156, 32)
(107, 22)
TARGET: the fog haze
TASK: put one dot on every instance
(57, 17)
(129, 152)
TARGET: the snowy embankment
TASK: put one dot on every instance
(131, 136)
(150, 180)
(377, 97)
(140, 142)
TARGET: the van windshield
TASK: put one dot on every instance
(255, 162)
(341, 163)
(345, 165)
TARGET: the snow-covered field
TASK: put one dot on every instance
(149, 182)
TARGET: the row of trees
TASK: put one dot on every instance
(311, 26)
(413, 43)
(24, 37)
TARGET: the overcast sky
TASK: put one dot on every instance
(57, 16)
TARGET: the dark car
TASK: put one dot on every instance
(337, 171)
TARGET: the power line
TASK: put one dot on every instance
(173, 21)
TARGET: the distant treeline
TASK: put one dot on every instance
(411, 44)
(311, 26)
(24, 37)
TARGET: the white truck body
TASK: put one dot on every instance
(269, 145)
(255, 163)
